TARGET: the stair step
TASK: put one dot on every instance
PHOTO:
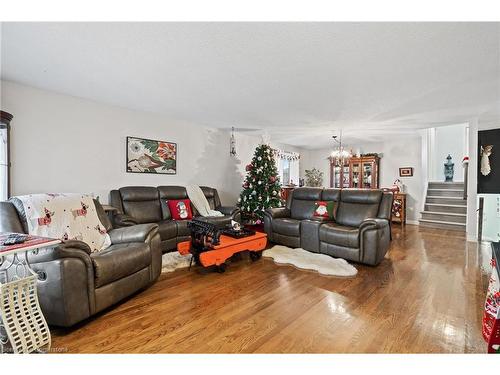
(445, 200)
(446, 208)
(448, 205)
(445, 192)
(443, 213)
(442, 225)
(444, 217)
(461, 190)
(441, 196)
(446, 185)
(442, 222)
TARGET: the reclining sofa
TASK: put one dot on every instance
(75, 283)
(144, 204)
(359, 230)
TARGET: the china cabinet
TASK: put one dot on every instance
(356, 172)
(339, 174)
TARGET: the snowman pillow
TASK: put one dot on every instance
(180, 209)
(325, 209)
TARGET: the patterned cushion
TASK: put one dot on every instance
(180, 209)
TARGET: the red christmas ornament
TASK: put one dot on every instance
(248, 167)
(272, 179)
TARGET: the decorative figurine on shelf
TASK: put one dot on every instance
(235, 225)
(486, 151)
(448, 169)
(397, 186)
(397, 208)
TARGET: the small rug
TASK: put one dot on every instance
(300, 258)
(173, 261)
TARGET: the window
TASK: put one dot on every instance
(288, 167)
(5, 119)
(285, 171)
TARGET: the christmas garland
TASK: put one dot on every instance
(287, 155)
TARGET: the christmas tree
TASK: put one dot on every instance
(262, 187)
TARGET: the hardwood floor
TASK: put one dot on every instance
(426, 296)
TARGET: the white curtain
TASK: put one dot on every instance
(288, 161)
(294, 171)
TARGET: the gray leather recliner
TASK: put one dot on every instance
(145, 204)
(359, 231)
(76, 283)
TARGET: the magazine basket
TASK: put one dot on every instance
(21, 317)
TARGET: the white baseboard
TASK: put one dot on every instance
(471, 238)
(490, 239)
(445, 181)
(412, 222)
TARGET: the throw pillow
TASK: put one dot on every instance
(180, 209)
(324, 209)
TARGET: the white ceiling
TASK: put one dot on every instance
(297, 81)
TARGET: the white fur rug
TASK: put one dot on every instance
(300, 258)
(172, 261)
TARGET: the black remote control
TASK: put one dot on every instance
(14, 239)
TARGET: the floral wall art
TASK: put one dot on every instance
(150, 156)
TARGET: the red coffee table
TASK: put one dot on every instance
(227, 247)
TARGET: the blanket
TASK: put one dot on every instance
(65, 216)
(200, 202)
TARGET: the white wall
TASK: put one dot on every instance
(448, 140)
(316, 159)
(395, 153)
(491, 216)
(66, 144)
(471, 223)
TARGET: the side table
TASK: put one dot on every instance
(399, 208)
(23, 328)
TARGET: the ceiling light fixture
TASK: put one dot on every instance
(339, 152)
(232, 143)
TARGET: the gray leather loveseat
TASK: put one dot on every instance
(75, 283)
(145, 204)
(359, 230)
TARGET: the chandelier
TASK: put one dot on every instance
(339, 152)
(232, 143)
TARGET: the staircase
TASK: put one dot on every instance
(445, 207)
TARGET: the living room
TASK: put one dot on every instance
(249, 187)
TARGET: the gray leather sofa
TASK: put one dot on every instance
(144, 204)
(359, 232)
(75, 283)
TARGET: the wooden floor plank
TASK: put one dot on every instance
(426, 296)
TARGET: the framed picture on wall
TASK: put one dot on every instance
(151, 156)
(406, 172)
